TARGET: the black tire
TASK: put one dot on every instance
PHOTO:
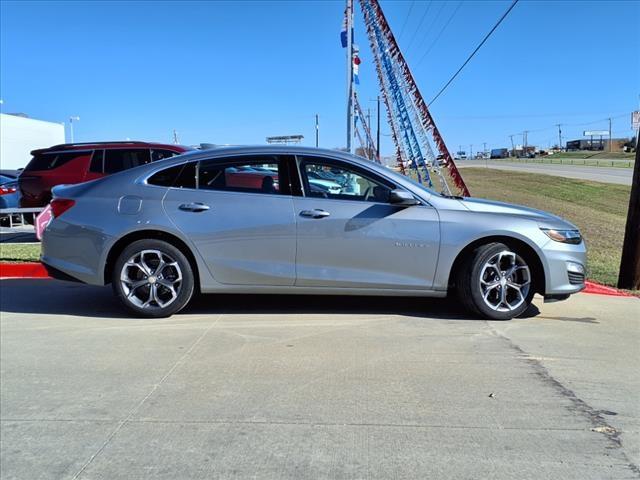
(468, 283)
(178, 268)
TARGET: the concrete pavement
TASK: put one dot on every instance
(618, 175)
(315, 387)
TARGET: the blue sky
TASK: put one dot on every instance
(235, 72)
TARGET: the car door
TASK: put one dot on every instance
(239, 218)
(355, 238)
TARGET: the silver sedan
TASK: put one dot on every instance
(250, 220)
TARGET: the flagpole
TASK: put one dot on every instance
(349, 74)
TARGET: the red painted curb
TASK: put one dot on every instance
(23, 270)
(37, 270)
(598, 289)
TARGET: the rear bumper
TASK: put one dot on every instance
(59, 274)
(73, 251)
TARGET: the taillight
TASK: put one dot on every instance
(7, 190)
(61, 205)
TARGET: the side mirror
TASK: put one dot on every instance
(402, 197)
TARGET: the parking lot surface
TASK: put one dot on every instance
(315, 387)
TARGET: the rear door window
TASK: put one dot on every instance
(180, 176)
(49, 161)
(265, 174)
(116, 160)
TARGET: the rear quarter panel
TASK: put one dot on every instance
(83, 236)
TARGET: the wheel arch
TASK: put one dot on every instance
(117, 248)
(530, 255)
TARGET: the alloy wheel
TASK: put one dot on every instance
(151, 279)
(505, 280)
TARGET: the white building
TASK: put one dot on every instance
(19, 135)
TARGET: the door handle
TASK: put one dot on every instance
(315, 213)
(194, 207)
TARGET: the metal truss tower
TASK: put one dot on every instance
(412, 125)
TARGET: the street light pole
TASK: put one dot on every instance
(317, 130)
(71, 119)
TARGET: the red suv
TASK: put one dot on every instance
(81, 162)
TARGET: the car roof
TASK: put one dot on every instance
(111, 144)
(237, 150)
(224, 150)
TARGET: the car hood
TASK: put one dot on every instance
(544, 219)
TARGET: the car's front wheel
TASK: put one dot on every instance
(495, 281)
(153, 278)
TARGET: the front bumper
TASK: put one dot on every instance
(565, 265)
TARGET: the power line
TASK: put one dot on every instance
(413, 37)
(440, 33)
(406, 19)
(504, 15)
(596, 121)
(431, 24)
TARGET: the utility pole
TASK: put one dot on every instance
(349, 74)
(629, 276)
(378, 129)
(513, 148)
(610, 145)
(524, 141)
(484, 148)
(317, 130)
(369, 147)
(471, 151)
(559, 125)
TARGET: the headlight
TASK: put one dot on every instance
(563, 236)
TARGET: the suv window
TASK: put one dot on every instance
(49, 161)
(325, 178)
(251, 174)
(116, 160)
(97, 162)
(162, 154)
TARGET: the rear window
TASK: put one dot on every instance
(49, 161)
(123, 159)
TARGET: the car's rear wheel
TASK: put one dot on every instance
(153, 278)
(496, 282)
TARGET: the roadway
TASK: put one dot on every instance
(315, 387)
(617, 175)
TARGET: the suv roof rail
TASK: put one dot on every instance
(119, 142)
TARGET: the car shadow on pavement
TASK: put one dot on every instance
(54, 297)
